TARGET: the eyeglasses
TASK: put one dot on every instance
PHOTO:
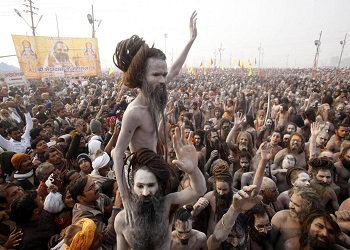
(262, 228)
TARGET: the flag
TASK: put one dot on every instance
(214, 68)
(250, 72)
(255, 60)
(233, 62)
(260, 72)
(110, 72)
(210, 62)
(222, 67)
(204, 71)
(239, 63)
(249, 65)
(201, 65)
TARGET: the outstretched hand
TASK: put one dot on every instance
(193, 26)
(315, 128)
(186, 154)
(238, 119)
(245, 199)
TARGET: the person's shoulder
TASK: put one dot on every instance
(119, 222)
(281, 216)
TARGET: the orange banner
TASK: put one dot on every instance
(43, 57)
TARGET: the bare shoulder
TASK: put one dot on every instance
(280, 217)
(345, 205)
(119, 222)
(292, 243)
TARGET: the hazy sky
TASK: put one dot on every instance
(286, 29)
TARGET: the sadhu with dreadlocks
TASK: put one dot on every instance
(218, 200)
(145, 68)
(145, 222)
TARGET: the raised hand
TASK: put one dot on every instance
(193, 26)
(238, 119)
(186, 154)
(315, 128)
(245, 199)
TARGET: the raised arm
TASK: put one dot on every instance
(187, 161)
(242, 201)
(238, 119)
(315, 130)
(176, 67)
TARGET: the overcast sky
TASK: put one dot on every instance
(286, 29)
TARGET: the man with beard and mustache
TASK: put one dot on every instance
(286, 224)
(219, 199)
(318, 232)
(334, 143)
(184, 237)
(144, 67)
(259, 226)
(243, 141)
(58, 56)
(214, 149)
(343, 173)
(91, 204)
(245, 163)
(145, 222)
(322, 172)
(231, 231)
(296, 148)
(260, 119)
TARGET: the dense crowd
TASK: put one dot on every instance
(207, 160)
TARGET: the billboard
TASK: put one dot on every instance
(15, 78)
(43, 57)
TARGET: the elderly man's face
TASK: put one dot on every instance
(156, 73)
(295, 143)
(61, 52)
(295, 206)
(321, 139)
(145, 184)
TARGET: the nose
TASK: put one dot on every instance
(146, 191)
(307, 184)
(220, 192)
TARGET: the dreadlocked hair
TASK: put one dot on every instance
(221, 173)
(148, 160)
(130, 57)
(322, 163)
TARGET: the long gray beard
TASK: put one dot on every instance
(149, 232)
(156, 100)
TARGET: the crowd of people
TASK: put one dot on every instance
(177, 161)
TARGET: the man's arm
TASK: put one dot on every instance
(315, 130)
(176, 67)
(242, 201)
(131, 121)
(187, 161)
(238, 119)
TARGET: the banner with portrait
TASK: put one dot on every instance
(45, 57)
